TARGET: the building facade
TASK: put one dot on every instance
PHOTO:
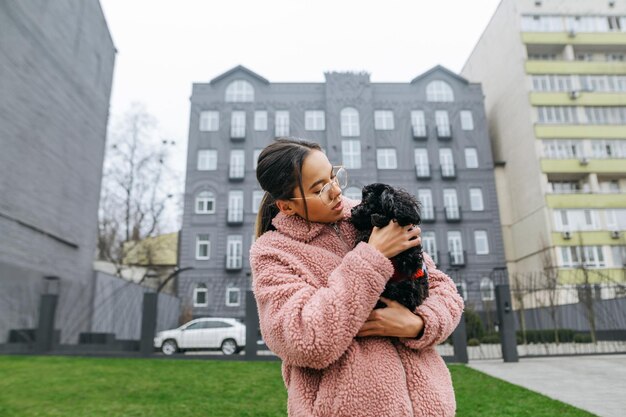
(56, 70)
(557, 117)
(428, 136)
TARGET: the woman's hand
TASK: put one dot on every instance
(393, 320)
(393, 238)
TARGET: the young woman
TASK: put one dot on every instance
(315, 293)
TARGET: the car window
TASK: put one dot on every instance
(195, 326)
(217, 324)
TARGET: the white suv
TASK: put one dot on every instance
(228, 335)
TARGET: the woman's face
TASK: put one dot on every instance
(316, 173)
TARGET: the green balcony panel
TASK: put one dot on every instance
(581, 38)
(600, 166)
(580, 131)
(586, 200)
(598, 237)
(584, 99)
(593, 276)
(575, 67)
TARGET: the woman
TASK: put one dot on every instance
(315, 293)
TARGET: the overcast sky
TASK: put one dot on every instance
(165, 46)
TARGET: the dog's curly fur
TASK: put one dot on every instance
(380, 204)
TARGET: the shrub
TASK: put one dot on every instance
(473, 342)
(473, 325)
(491, 338)
(582, 338)
(547, 336)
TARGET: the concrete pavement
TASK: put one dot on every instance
(593, 383)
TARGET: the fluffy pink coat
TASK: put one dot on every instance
(314, 291)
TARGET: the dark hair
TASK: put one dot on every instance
(279, 171)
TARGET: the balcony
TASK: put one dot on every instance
(575, 67)
(234, 217)
(236, 172)
(448, 171)
(453, 214)
(574, 38)
(584, 165)
(233, 263)
(543, 131)
(423, 171)
(420, 132)
(444, 132)
(428, 214)
(238, 133)
(457, 258)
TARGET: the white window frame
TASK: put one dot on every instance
(238, 124)
(476, 199)
(234, 252)
(314, 120)
(209, 121)
(481, 242)
(455, 246)
(446, 160)
(422, 164)
(418, 123)
(442, 121)
(200, 288)
(260, 120)
(386, 158)
(281, 123)
(239, 91)
(233, 290)
(237, 166)
(351, 153)
(467, 120)
(235, 206)
(429, 244)
(204, 198)
(487, 289)
(383, 120)
(207, 160)
(425, 196)
(202, 242)
(349, 118)
(471, 158)
(439, 91)
(451, 202)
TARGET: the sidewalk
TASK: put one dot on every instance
(593, 383)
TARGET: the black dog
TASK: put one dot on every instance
(382, 203)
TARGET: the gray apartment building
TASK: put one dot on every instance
(428, 136)
(56, 69)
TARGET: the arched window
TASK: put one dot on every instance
(350, 122)
(205, 203)
(239, 91)
(462, 289)
(439, 91)
(200, 296)
(487, 292)
(353, 193)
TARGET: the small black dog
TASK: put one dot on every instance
(382, 203)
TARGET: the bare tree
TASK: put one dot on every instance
(134, 186)
(551, 285)
(585, 293)
(519, 292)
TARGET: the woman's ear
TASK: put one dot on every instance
(285, 207)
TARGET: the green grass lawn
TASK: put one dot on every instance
(70, 386)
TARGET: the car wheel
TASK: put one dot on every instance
(229, 347)
(169, 347)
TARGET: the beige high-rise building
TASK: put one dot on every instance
(554, 77)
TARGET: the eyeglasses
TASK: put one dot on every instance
(340, 179)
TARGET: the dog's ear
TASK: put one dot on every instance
(388, 201)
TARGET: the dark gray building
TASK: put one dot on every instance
(428, 136)
(56, 69)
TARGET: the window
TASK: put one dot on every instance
(422, 166)
(606, 115)
(234, 252)
(429, 244)
(207, 160)
(314, 120)
(476, 199)
(455, 248)
(205, 203)
(235, 206)
(451, 204)
(257, 197)
(608, 148)
(481, 242)
(439, 91)
(548, 83)
(487, 291)
(418, 123)
(255, 158)
(557, 114)
(239, 91)
(232, 297)
(443, 123)
(238, 124)
(562, 149)
(209, 121)
(542, 24)
(386, 158)
(615, 57)
(349, 122)
(200, 296)
(467, 121)
(383, 120)
(237, 163)
(353, 193)
(471, 158)
(447, 162)
(351, 153)
(573, 256)
(282, 123)
(203, 247)
(260, 120)
(576, 219)
(425, 197)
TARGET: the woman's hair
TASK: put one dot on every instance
(279, 171)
